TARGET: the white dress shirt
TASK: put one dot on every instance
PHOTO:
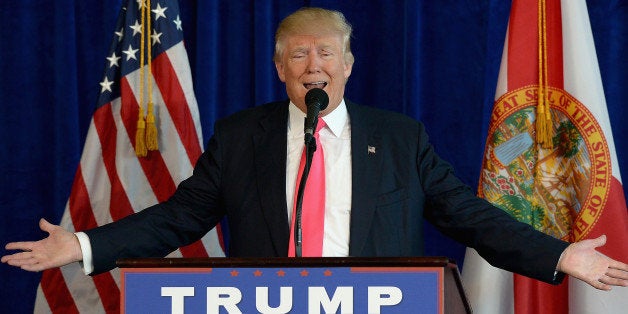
(336, 141)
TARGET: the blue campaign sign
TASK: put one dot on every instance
(283, 290)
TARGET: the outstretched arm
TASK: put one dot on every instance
(581, 260)
(61, 247)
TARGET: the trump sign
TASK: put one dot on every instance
(283, 290)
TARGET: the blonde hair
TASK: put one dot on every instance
(310, 20)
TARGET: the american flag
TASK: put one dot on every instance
(111, 181)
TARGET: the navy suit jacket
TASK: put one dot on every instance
(242, 175)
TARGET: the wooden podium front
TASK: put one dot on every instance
(291, 285)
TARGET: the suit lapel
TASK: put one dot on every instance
(366, 166)
(270, 144)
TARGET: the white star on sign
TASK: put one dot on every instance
(106, 85)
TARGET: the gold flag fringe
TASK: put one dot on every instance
(544, 125)
(146, 135)
(151, 129)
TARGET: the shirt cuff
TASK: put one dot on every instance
(86, 249)
(558, 275)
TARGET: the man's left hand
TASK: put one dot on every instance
(581, 260)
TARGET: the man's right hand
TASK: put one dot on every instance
(61, 247)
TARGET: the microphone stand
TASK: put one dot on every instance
(310, 148)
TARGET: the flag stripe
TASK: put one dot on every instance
(96, 183)
(108, 291)
(153, 166)
(523, 69)
(41, 307)
(523, 53)
(554, 45)
(83, 218)
(195, 249)
(105, 126)
(583, 78)
(120, 206)
(522, 45)
(180, 64)
(80, 210)
(170, 143)
(176, 103)
(533, 296)
(56, 292)
(136, 184)
(614, 224)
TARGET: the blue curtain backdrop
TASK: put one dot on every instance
(436, 61)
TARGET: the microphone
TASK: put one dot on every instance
(316, 100)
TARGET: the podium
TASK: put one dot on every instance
(291, 285)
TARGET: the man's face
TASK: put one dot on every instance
(310, 61)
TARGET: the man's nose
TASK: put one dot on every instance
(314, 64)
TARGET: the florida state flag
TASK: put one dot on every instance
(550, 159)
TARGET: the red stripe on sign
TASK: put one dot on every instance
(57, 293)
(120, 206)
(175, 101)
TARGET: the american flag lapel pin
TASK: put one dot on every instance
(371, 150)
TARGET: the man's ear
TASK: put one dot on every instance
(280, 71)
(348, 69)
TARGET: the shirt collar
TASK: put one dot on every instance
(335, 120)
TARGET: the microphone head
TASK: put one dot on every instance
(316, 97)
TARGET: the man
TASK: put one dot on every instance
(383, 177)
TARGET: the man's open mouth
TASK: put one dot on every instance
(311, 85)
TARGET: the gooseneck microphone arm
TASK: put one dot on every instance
(310, 148)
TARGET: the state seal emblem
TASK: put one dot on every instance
(560, 191)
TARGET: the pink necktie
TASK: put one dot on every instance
(313, 207)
